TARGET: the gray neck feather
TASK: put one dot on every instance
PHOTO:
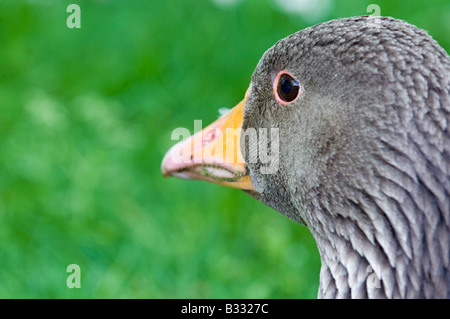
(369, 172)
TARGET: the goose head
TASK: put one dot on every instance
(345, 128)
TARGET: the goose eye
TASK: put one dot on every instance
(286, 88)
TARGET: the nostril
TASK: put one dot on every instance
(209, 137)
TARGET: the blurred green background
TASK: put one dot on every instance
(86, 117)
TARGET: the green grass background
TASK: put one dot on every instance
(86, 117)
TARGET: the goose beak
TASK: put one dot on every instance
(213, 154)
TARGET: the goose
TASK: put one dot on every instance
(355, 120)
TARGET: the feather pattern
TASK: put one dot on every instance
(364, 154)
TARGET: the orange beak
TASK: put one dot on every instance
(213, 154)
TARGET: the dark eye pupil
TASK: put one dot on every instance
(288, 88)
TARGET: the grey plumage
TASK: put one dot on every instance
(364, 154)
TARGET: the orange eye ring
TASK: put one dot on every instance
(286, 88)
